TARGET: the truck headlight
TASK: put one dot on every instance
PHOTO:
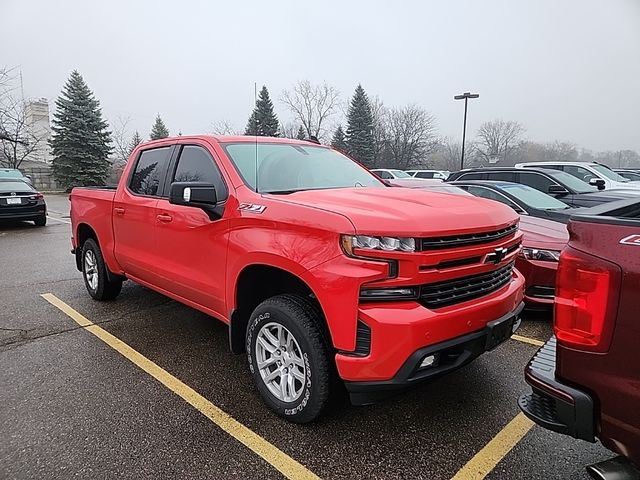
(388, 244)
(537, 254)
(393, 293)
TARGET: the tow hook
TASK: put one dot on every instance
(617, 468)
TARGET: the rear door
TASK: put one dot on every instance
(134, 213)
(192, 246)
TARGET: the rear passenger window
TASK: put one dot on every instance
(470, 176)
(149, 172)
(536, 180)
(197, 165)
(501, 176)
(424, 175)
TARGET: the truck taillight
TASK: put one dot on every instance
(587, 290)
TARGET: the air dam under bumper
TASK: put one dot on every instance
(441, 358)
(552, 404)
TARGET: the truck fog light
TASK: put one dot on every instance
(428, 361)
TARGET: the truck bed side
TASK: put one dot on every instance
(92, 208)
(613, 377)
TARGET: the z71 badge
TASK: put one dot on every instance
(631, 240)
(252, 207)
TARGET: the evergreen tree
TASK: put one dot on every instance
(359, 138)
(159, 129)
(301, 135)
(263, 120)
(339, 141)
(135, 141)
(80, 141)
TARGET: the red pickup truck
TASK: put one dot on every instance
(318, 268)
(586, 378)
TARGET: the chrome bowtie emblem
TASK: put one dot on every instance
(496, 256)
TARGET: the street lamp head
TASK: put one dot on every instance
(466, 95)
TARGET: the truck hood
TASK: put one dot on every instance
(407, 212)
(543, 234)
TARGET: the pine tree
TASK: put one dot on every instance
(135, 141)
(339, 141)
(359, 138)
(301, 135)
(159, 129)
(80, 141)
(263, 120)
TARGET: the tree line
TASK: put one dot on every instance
(85, 148)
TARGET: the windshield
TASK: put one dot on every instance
(534, 198)
(400, 174)
(610, 174)
(573, 183)
(286, 168)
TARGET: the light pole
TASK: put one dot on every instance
(466, 96)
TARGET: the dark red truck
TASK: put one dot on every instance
(318, 268)
(586, 378)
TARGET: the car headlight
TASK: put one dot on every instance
(537, 254)
(387, 244)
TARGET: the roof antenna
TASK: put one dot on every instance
(255, 128)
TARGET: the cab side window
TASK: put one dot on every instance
(384, 175)
(501, 176)
(195, 164)
(470, 176)
(579, 172)
(149, 172)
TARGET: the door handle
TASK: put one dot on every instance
(163, 217)
(118, 210)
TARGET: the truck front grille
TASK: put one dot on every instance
(434, 243)
(450, 292)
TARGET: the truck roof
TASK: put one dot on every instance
(236, 139)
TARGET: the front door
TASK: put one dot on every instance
(192, 246)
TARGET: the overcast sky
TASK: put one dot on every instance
(567, 70)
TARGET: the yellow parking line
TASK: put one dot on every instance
(531, 341)
(486, 459)
(286, 465)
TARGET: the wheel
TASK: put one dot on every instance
(41, 221)
(286, 350)
(94, 272)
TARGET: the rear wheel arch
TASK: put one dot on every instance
(83, 233)
(258, 282)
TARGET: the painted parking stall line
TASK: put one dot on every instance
(486, 459)
(282, 462)
(58, 219)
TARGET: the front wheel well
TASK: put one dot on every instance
(255, 284)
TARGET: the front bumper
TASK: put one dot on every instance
(553, 404)
(540, 281)
(447, 356)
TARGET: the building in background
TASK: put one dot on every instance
(37, 117)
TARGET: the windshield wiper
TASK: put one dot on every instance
(283, 192)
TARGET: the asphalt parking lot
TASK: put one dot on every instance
(73, 405)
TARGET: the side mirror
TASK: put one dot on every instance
(195, 194)
(597, 182)
(558, 190)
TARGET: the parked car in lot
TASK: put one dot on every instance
(632, 175)
(314, 263)
(20, 201)
(585, 378)
(15, 174)
(565, 187)
(590, 172)
(522, 198)
(390, 173)
(438, 174)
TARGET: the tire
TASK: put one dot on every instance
(94, 272)
(41, 221)
(303, 362)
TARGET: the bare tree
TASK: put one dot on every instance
(498, 139)
(289, 130)
(121, 140)
(224, 127)
(312, 106)
(447, 155)
(410, 136)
